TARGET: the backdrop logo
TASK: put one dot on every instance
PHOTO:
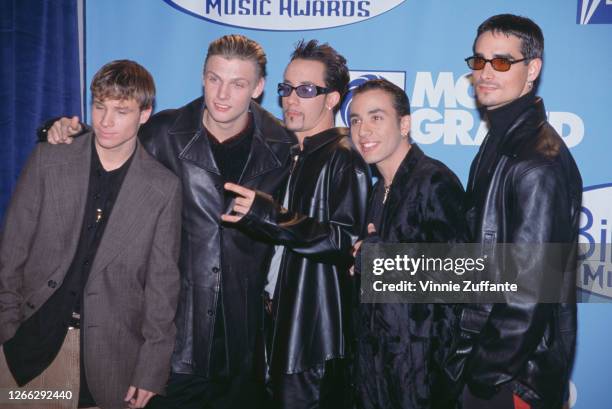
(595, 264)
(285, 15)
(359, 77)
(444, 109)
(594, 12)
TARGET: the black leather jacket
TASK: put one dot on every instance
(215, 256)
(327, 207)
(534, 196)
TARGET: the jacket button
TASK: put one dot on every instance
(215, 270)
(210, 313)
(52, 283)
(30, 305)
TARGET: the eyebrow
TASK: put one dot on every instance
(286, 81)
(370, 112)
(231, 79)
(506, 55)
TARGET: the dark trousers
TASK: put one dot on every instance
(322, 387)
(185, 391)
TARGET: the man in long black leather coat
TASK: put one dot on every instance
(524, 188)
(315, 226)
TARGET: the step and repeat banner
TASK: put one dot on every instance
(421, 46)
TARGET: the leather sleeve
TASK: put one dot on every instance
(328, 242)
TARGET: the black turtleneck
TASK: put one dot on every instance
(500, 120)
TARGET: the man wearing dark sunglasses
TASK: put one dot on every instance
(524, 188)
(315, 227)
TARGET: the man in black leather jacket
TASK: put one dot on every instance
(524, 188)
(221, 137)
(315, 226)
(416, 200)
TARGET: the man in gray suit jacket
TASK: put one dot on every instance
(88, 259)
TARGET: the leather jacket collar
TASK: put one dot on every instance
(197, 150)
(532, 118)
(315, 142)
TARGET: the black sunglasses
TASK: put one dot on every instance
(302, 91)
(498, 63)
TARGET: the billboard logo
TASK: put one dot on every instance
(285, 15)
(595, 236)
(594, 12)
(359, 77)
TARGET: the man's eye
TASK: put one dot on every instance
(239, 85)
(354, 121)
(377, 118)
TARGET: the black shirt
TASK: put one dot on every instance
(39, 339)
(231, 157)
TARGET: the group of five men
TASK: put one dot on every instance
(272, 216)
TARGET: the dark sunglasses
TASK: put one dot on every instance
(302, 91)
(499, 63)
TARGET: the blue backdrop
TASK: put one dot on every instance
(421, 46)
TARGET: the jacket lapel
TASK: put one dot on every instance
(401, 180)
(263, 158)
(130, 211)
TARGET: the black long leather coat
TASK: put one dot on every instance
(327, 207)
(400, 346)
(215, 256)
(534, 196)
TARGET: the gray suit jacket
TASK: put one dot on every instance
(132, 291)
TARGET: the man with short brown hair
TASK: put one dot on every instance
(88, 259)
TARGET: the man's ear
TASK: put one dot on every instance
(533, 69)
(405, 122)
(145, 114)
(332, 99)
(259, 88)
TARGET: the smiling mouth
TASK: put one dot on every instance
(221, 107)
(368, 146)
